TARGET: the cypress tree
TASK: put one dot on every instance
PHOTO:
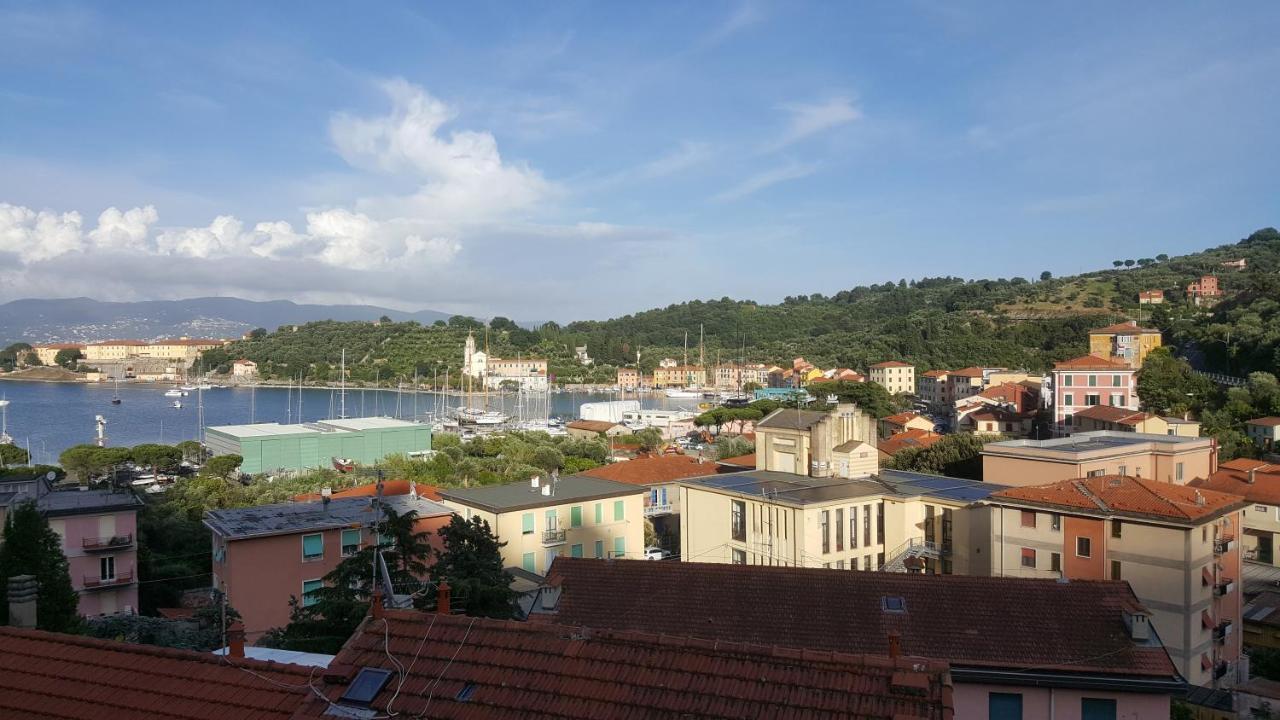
(31, 547)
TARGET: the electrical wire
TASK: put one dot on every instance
(404, 676)
(436, 684)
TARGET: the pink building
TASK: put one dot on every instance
(263, 556)
(99, 537)
(1091, 380)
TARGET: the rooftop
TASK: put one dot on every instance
(521, 495)
(790, 489)
(971, 372)
(496, 669)
(973, 622)
(1073, 446)
(1090, 362)
(1124, 496)
(321, 426)
(787, 419)
(656, 469)
(901, 418)
(295, 517)
(937, 373)
(1263, 609)
(891, 364)
(1108, 413)
(913, 438)
(44, 674)
(936, 486)
(1264, 421)
(744, 462)
(87, 502)
(592, 425)
(1254, 480)
(389, 487)
(1125, 328)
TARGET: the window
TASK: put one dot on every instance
(1066, 381)
(575, 550)
(1055, 562)
(599, 548)
(866, 563)
(552, 523)
(880, 524)
(1115, 570)
(1092, 400)
(853, 530)
(618, 506)
(527, 562)
(599, 513)
(1055, 521)
(879, 560)
(738, 520)
(1177, 472)
(1093, 381)
(620, 546)
(312, 546)
(1004, 706)
(1117, 400)
(1083, 547)
(575, 516)
(1029, 558)
(1097, 709)
(840, 532)
(350, 542)
(866, 525)
(1096, 473)
(739, 557)
(1122, 470)
(526, 524)
(309, 587)
(1117, 528)
(824, 520)
(1029, 518)
(1068, 400)
(107, 567)
(1115, 381)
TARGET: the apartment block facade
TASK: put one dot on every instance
(1168, 458)
(896, 377)
(1091, 380)
(1125, 342)
(99, 531)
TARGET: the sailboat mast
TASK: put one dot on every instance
(342, 386)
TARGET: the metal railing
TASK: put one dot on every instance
(661, 509)
(553, 537)
(1222, 631)
(1223, 587)
(107, 543)
(93, 582)
(1223, 545)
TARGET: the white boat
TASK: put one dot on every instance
(173, 393)
(203, 386)
(476, 416)
(177, 404)
(187, 388)
(682, 393)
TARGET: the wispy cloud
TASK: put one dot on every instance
(767, 178)
(809, 119)
(743, 16)
(687, 155)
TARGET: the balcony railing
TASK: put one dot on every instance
(1222, 631)
(1224, 587)
(663, 509)
(95, 582)
(1223, 545)
(553, 537)
(113, 542)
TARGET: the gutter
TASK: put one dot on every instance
(1127, 683)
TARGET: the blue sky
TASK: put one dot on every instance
(585, 160)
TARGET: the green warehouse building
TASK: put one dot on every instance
(266, 447)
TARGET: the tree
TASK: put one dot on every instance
(32, 548)
(191, 450)
(732, 446)
(156, 457)
(257, 333)
(1161, 257)
(650, 439)
(221, 466)
(1144, 262)
(11, 454)
(68, 358)
(954, 455)
(1128, 263)
(471, 562)
(1117, 263)
(1168, 386)
(871, 397)
(1046, 275)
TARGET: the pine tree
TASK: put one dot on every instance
(32, 548)
(471, 562)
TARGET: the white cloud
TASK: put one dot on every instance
(682, 158)
(34, 236)
(743, 16)
(767, 178)
(808, 119)
(124, 230)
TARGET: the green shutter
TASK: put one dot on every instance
(617, 510)
(312, 546)
(308, 588)
(526, 523)
(350, 538)
(527, 562)
(599, 546)
(551, 520)
(575, 551)
(619, 546)
(575, 516)
(599, 513)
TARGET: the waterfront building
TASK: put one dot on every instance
(1125, 342)
(545, 518)
(48, 353)
(184, 349)
(1168, 458)
(896, 377)
(628, 378)
(677, 376)
(1177, 546)
(112, 350)
(268, 447)
(1088, 381)
(526, 374)
(244, 368)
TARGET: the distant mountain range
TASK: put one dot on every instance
(85, 319)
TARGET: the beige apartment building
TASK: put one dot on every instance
(896, 377)
(932, 389)
(628, 378)
(733, 377)
(690, 376)
(1125, 342)
(48, 353)
(1176, 546)
(840, 442)
(178, 349)
(575, 515)
(112, 350)
(1169, 458)
(1258, 482)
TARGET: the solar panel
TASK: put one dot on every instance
(1259, 613)
(368, 683)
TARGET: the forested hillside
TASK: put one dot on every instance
(933, 323)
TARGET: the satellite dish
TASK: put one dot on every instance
(51, 476)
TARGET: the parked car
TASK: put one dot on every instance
(656, 553)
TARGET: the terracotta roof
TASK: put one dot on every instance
(1120, 416)
(1090, 362)
(967, 372)
(592, 425)
(747, 461)
(937, 373)
(131, 343)
(187, 341)
(997, 414)
(1025, 398)
(47, 675)
(461, 667)
(901, 418)
(891, 363)
(1264, 421)
(1124, 328)
(1234, 479)
(968, 621)
(60, 346)
(389, 487)
(655, 469)
(913, 438)
(1127, 496)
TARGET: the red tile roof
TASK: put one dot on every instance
(1264, 421)
(598, 426)
(891, 364)
(1120, 416)
(937, 373)
(901, 418)
(1124, 328)
(1233, 477)
(51, 675)
(1127, 496)
(131, 343)
(461, 667)
(656, 469)
(969, 621)
(747, 461)
(913, 438)
(1024, 398)
(389, 488)
(971, 372)
(1091, 362)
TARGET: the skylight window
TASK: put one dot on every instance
(894, 603)
(368, 683)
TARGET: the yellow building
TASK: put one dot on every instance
(1125, 342)
(113, 350)
(690, 376)
(47, 353)
(178, 349)
(576, 515)
(896, 377)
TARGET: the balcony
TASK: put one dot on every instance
(1224, 545)
(1222, 631)
(655, 510)
(1221, 669)
(94, 582)
(552, 537)
(1224, 587)
(115, 542)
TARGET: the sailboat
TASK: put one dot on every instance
(115, 398)
(684, 392)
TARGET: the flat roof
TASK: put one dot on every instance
(1090, 442)
(369, 423)
(259, 430)
(324, 426)
(938, 486)
(522, 495)
(789, 488)
(87, 502)
(293, 517)
(788, 419)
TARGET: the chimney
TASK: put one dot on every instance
(895, 645)
(375, 604)
(1252, 471)
(326, 494)
(235, 640)
(442, 597)
(1138, 624)
(22, 600)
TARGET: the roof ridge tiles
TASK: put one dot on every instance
(1084, 490)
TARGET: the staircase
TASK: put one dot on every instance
(913, 548)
